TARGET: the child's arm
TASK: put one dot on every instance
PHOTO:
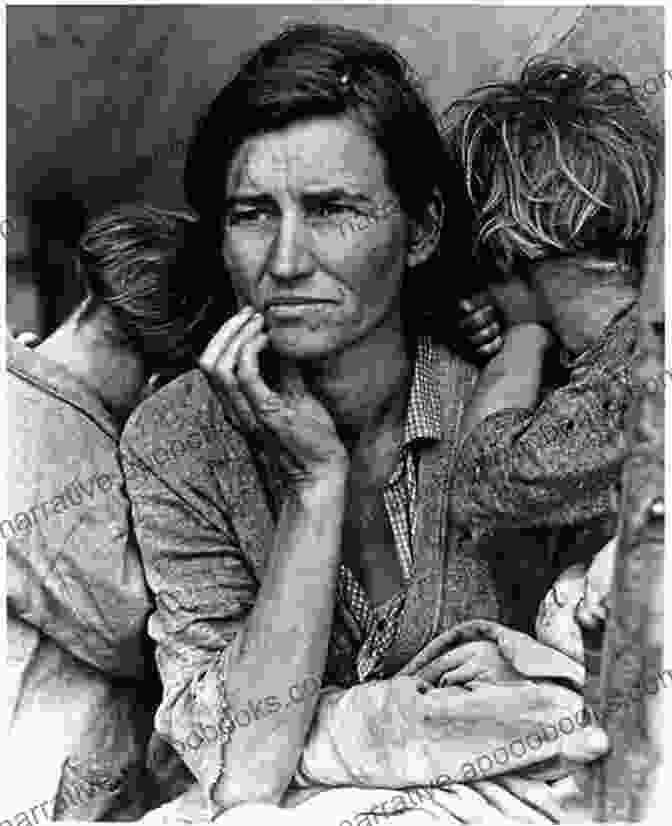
(512, 378)
(557, 464)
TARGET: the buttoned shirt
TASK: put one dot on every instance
(378, 625)
(206, 509)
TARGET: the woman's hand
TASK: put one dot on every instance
(480, 660)
(295, 428)
(403, 732)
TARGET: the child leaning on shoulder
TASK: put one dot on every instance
(561, 168)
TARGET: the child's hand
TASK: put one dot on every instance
(480, 325)
(470, 661)
(519, 303)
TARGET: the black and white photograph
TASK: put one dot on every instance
(334, 383)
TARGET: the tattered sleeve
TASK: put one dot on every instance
(558, 463)
(203, 588)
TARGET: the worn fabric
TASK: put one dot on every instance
(77, 672)
(377, 625)
(384, 745)
(558, 464)
(393, 733)
(204, 510)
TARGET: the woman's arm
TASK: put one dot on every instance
(297, 593)
(230, 656)
(227, 649)
(296, 602)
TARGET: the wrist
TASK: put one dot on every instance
(326, 486)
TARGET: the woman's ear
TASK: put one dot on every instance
(424, 236)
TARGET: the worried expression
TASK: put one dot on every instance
(314, 237)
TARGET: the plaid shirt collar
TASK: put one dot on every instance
(375, 629)
(423, 417)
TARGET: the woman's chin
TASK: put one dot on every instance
(301, 344)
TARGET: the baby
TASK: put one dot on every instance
(561, 168)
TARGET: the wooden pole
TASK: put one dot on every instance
(632, 683)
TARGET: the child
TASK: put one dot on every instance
(561, 169)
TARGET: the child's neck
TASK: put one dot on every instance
(583, 294)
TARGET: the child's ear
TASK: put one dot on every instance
(424, 236)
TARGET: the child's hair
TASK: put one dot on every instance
(148, 266)
(561, 161)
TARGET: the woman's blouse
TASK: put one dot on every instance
(205, 506)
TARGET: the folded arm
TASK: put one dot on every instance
(400, 732)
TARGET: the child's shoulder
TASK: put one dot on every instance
(614, 352)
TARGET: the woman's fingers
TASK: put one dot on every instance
(459, 676)
(220, 363)
(228, 364)
(223, 338)
(265, 404)
(451, 661)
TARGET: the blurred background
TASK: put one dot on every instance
(101, 100)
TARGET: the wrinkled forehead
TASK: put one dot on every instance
(318, 154)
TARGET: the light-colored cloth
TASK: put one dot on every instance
(397, 733)
(77, 677)
(476, 754)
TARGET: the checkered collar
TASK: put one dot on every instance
(423, 416)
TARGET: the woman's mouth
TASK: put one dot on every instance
(294, 307)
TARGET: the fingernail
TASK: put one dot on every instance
(467, 306)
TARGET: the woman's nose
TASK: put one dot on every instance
(290, 256)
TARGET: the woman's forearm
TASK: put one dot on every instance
(284, 642)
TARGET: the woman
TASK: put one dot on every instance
(301, 540)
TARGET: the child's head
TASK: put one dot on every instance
(560, 162)
(147, 267)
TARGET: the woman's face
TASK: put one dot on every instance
(314, 237)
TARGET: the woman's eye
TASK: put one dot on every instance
(249, 215)
(330, 213)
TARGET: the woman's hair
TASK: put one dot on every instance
(151, 268)
(563, 160)
(315, 70)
